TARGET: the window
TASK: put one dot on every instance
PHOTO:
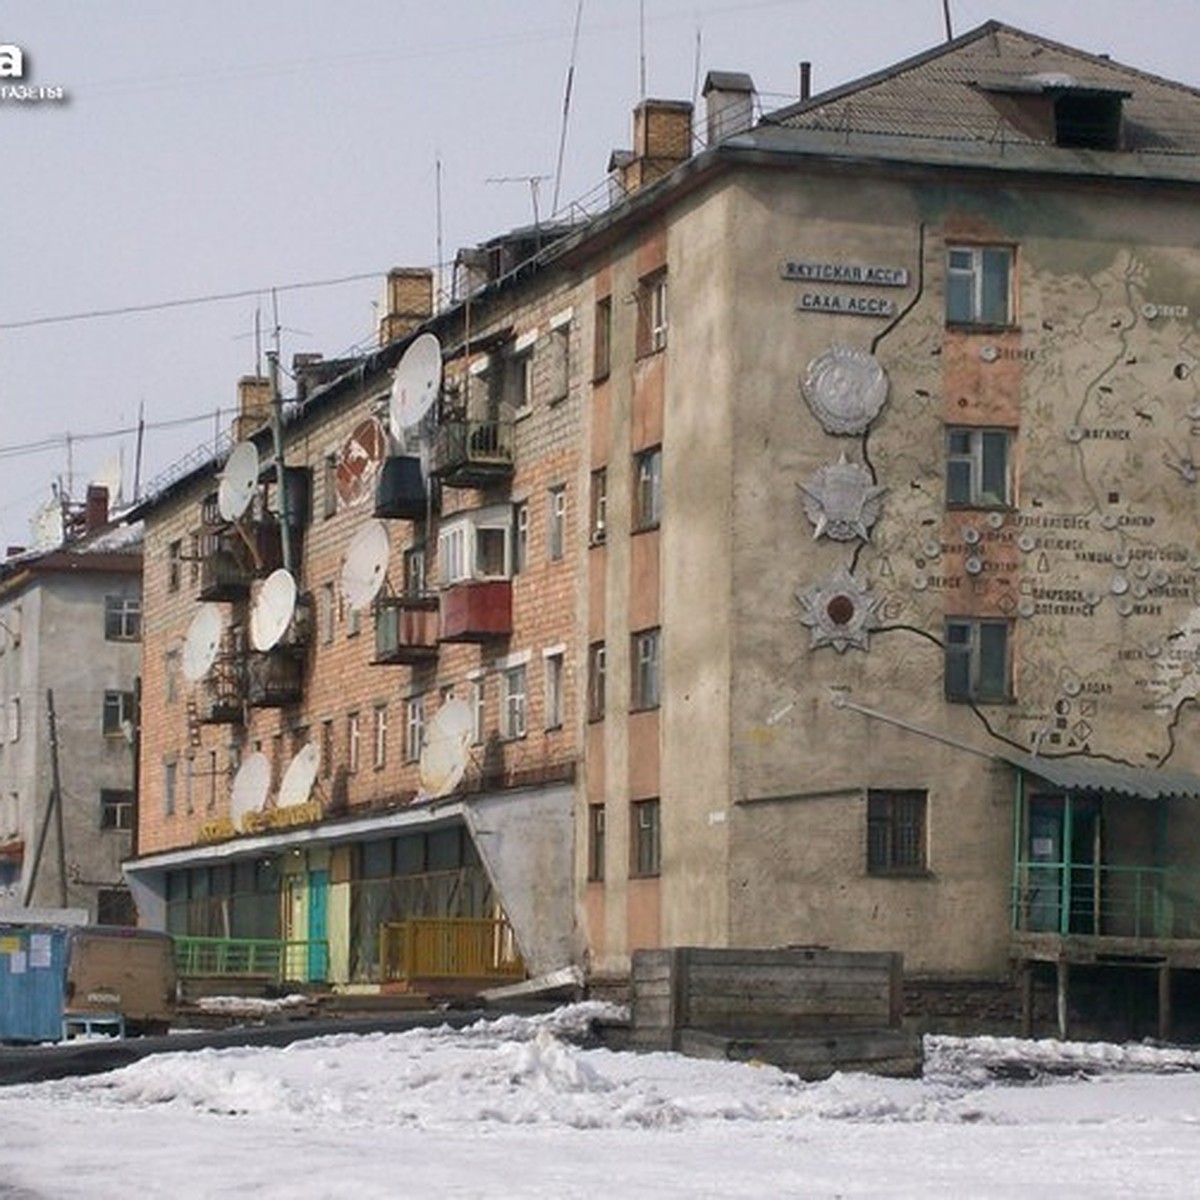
(595, 843)
(556, 523)
(519, 379)
(652, 313)
(598, 507)
(645, 669)
(189, 775)
(514, 703)
(353, 740)
(977, 473)
(170, 773)
(174, 566)
(328, 612)
(596, 673)
(14, 719)
(978, 667)
(327, 749)
(122, 618)
(520, 537)
(558, 362)
(602, 339)
(380, 736)
(414, 571)
(414, 727)
(646, 843)
(553, 663)
(118, 714)
(647, 488)
(211, 801)
(478, 700)
(329, 486)
(116, 809)
(114, 906)
(979, 285)
(476, 545)
(171, 666)
(896, 832)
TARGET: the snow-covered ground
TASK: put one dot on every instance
(514, 1107)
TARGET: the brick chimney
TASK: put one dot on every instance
(95, 510)
(662, 139)
(407, 303)
(254, 406)
(728, 104)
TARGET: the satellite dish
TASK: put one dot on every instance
(273, 608)
(444, 754)
(238, 481)
(249, 789)
(299, 777)
(415, 384)
(109, 475)
(201, 642)
(365, 565)
(46, 525)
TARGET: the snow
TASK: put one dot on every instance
(516, 1106)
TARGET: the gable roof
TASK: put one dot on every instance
(970, 90)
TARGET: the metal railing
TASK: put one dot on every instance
(258, 958)
(449, 948)
(1106, 901)
(463, 444)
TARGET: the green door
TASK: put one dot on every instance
(318, 913)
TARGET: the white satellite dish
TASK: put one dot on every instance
(365, 565)
(299, 777)
(238, 481)
(201, 642)
(444, 754)
(249, 788)
(46, 525)
(415, 384)
(273, 609)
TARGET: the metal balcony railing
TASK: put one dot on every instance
(449, 948)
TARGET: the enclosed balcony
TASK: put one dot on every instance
(223, 692)
(231, 557)
(406, 629)
(403, 492)
(275, 679)
(477, 611)
(473, 454)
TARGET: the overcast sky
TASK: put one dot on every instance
(247, 146)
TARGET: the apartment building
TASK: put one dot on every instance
(810, 538)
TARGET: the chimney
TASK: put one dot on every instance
(805, 80)
(409, 302)
(305, 364)
(662, 139)
(254, 406)
(470, 271)
(95, 511)
(729, 104)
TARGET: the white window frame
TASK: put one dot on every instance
(971, 451)
(647, 488)
(969, 273)
(478, 711)
(414, 727)
(459, 545)
(353, 742)
(515, 702)
(965, 655)
(556, 522)
(379, 739)
(647, 669)
(123, 618)
(554, 668)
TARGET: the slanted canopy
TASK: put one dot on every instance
(1093, 775)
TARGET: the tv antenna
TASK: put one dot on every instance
(535, 185)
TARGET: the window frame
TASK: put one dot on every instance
(353, 742)
(966, 660)
(379, 732)
(975, 275)
(459, 545)
(973, 463)
(897, 832)
(647, 489)
(645, 839)
(478, 704)
(602, 339)
(652, 313)
(554, 669)
(514, 709)
(598, 507)
(556, 522)
(414, 727)
(645, 672)
(122, 705)
(597, 680)
(595, 843)
(122, 618)
(116, 809)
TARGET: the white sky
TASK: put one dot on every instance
(240, 147)
(511, 1108)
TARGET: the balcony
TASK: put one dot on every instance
(402, 492)
(406, 629)
(473, 454)
(223, 692)
(231, 557)
(476, 612)
(275, 679)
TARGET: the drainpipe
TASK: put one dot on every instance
(285, 525)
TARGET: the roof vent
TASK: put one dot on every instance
(729, 104)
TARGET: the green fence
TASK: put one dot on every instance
(251, 958)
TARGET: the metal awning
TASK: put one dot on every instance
(1093, 775)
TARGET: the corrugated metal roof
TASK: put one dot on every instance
(966, 90)
(1095, 775)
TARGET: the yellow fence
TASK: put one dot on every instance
(449, 948)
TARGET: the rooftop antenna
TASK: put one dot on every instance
(946, 18)
(641, 49)
(562, 136)
(535, 182)
(441, 258)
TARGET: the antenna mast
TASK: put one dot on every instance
(642, 49)
(946, 18)
(562, 137)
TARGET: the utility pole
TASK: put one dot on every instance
(53, 809)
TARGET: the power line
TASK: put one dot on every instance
(61, 440)
(191, 301)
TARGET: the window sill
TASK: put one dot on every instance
(913, 873)
(521, 413)
(601, 376)
(554, 728)
(650, 527)
(595, 718)
(644, 708)
(986, 327)
(649, 875)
